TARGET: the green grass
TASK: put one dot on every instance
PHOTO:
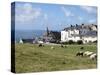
(31, 58)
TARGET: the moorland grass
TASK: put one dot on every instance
(31, 58)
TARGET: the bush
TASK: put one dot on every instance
(71, 42)
(79, 42)
(65, 43)
(95, 41)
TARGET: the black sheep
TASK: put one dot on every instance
(40, 45)
(79, 54)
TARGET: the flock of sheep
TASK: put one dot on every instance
(89, 54)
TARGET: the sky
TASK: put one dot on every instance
(38, 16)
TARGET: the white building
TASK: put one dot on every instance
(91, 36)
(85, 33)
(21, 41)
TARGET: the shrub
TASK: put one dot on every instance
(79, 42)
(65, 43)
(71, 42)
(95, 41)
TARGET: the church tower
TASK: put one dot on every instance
(47, 31)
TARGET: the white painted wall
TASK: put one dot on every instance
(64, 36)
(77, 38)
(88, 39)
(67, 35)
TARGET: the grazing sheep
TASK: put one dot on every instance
(79, 53)
(93, 56)
(52, 47)
(88, 53)
(40, 45)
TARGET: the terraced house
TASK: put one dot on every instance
(86, 33)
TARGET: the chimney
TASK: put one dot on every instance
(82, 24)
(71, 25)
(76, 25)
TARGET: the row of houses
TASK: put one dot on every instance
(86, 33)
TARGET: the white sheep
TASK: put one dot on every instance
(88, 53)
(52, 47)
(93, 56)
(85, 53)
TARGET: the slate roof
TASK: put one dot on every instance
(80, 27)
(73, 27)
(90, 33)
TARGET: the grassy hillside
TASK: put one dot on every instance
(31, 58)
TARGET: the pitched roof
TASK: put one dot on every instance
(79, 27)
(73, 27)
(90, 33)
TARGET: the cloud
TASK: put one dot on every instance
(92, 21)
(80, 18)
(89, 9)
(67, 12)
(26, 13)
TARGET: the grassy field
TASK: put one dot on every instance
(31, 58)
